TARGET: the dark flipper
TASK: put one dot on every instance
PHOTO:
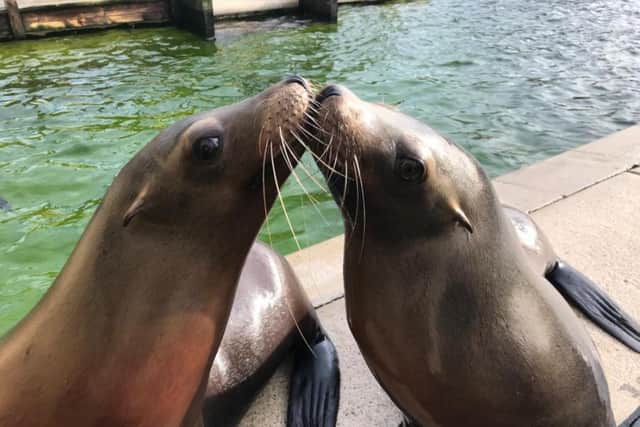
(407, 422)
(314, 386)
(595, 304)
(633, 420)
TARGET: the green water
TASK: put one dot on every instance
(514, 81)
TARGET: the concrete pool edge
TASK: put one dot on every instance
(531, 188)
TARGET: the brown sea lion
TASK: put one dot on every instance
(127, 333)
(450, 315)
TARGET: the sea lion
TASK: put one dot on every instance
(434, 270)
(127, 333)
(261, 331)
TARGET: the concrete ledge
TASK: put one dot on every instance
(538, 185)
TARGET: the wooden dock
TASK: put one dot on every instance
(20, 19)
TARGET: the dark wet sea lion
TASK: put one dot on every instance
(260, 333)
(127, 333)
(441, 297)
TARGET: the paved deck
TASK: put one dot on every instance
(588, 202)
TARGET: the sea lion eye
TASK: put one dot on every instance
(206, 148)
(411, 170)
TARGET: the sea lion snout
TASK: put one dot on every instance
(284, 117)
(328, 92)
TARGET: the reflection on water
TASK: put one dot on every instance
(513, 81)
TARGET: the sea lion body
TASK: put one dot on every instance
(435, 271)
(127, 333)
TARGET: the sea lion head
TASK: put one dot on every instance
(228, 163)
(392, 175)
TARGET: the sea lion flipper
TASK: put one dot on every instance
(595, 304)
(633, 420)
(407, 422)
(314, 387)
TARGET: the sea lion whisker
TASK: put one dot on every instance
(309, 173)
(364, 204)
(305, 169)
(346, 183)
(314, 107)
(312, 119)
(260, 137)
(295, 238)
(284, 209)
(275, 179)
(297, 137)
(328, 147)
(335, 161)
(357, 212)
(264, 194)
(342, 203)
(311, 135)
(313, 200)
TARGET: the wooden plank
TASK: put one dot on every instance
(74, 18)
(59, 4)
(15, 19)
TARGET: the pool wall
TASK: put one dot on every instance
(36, 18)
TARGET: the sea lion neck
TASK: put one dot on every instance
(138, 309)
(448, 255)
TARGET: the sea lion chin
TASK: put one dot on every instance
(435, 270)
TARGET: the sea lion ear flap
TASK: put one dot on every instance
(461, 218)
(134, 209)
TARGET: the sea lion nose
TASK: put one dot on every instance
(328, 92)
(297, 79)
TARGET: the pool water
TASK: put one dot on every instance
(514, 81)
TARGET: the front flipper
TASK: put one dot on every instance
(633, 420)
(595, 304)
(314, 386)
